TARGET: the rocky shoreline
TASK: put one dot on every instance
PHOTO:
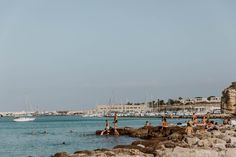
(170, 142)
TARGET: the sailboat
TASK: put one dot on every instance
(26, 118)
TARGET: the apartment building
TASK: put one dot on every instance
(137, 108)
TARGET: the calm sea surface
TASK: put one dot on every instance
(22, 139)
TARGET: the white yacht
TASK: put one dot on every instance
(24, 119)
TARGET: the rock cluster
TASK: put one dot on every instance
(106, 153)
(171, 142)
(228, 100)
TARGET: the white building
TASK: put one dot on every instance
(200, 100)
(122, 108)
(211, 99)
(214, 99)
(203, 109)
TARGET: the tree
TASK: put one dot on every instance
(210, 97)
(171, 101)
(161, 102)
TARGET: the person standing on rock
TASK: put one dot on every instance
(208, 115)
(195, 120)
(115, 124)
(193, 116)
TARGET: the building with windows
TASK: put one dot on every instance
(123, 108)
(214, 99)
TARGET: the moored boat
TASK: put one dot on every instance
(24, 119)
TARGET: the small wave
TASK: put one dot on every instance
(38, 133)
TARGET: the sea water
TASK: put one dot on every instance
(48, 135)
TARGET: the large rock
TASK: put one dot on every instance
(230, 152)
(216, 140)
(165, 152)
(226, 138)
(191, 140)
(220, 146)
(142, 132)
(85, 153)
(205, 143)
(107, 153)
(189, 152)
(61, 154)
(228, 100)
(230, 133)
(176, 137)
(216, 133)
(185, 152)
(130, 152)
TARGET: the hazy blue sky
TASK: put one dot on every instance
(76, 54)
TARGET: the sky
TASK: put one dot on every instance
(73, 55)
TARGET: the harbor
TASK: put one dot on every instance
(130, 78)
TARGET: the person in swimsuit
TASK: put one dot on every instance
(189, 130)
(195, 122)
(147, 124)
(193, 116)
(225, 122)
(115, 124)
(107, 128)
(208, 115)
(204, 120)
(211, 126)
(164, 123)
(194, 119)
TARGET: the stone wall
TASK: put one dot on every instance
(228, 100)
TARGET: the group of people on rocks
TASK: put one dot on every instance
(108, 128)
(206, 124)
(164, 123)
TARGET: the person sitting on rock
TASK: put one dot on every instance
(211, 126)
(217, 127)
(190, 123)
(164, 123)
(107, 128)
(194, 116)
(147, 124)
(229, 121)
(204, 120)
(203, 130)
(195, 121)
(225, 122)
(189, 130)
